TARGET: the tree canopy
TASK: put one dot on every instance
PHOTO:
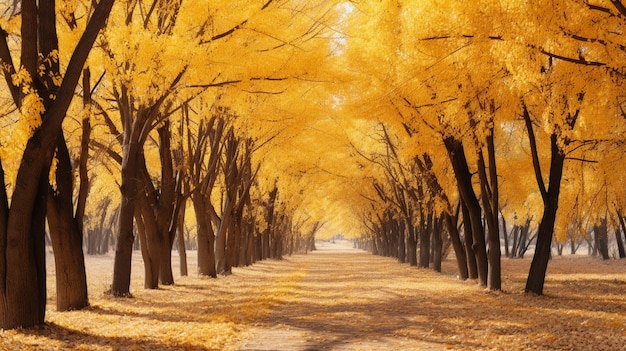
(409, 127)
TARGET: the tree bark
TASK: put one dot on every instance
(269, 219)
(205, 237)
(550, 196)
(437, 244)
(463, 176)
(489, 197)
(125, 239)
(457, 245)
(182, 250)
(411, 246)
(601, 236)
(66, 237)
(468, 241)
(424, 231)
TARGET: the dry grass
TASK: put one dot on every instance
(343, 299)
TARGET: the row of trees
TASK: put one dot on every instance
(172, 115)
(428, 126)
(486, 117)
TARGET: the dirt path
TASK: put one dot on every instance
(340, 299)
(345, 301)
(351, 300)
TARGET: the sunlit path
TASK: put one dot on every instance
(339, 298)
(346, 299)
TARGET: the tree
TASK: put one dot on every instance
(22, 267)
(549, 195)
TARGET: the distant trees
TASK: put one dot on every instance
(450, 84)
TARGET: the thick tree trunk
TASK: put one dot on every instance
(601, 236)
(463, 176)
(539, 264)
(67, 238)
(125, 239)
(166, 275)
(205, 237)
(167, 204)
(233, 243)
(23, 265)
(220, 242)
(550, 195)
(152, 243)
(424, 240)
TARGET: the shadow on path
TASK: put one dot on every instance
(351, 300)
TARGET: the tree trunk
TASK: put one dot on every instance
(505, 234)
(167, 204)
(618, 235)
(601, 235)
(457, 245)
(205, 237)
(539, 265)
(182, 250)
(401, 242)
(67, 238)
(489, 197)
(125, 239)
(166, 275)
(463, 176)
(424, 231)
(220, 240)
(269, 219)
(411, 246)
(437, 247)
(550, 196)
(468, 241)
(23, 269)
(143, 225)
(22, 226)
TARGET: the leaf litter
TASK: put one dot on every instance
(338, 298)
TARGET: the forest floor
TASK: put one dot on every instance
(339, 298)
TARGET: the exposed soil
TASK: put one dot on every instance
(339, 298)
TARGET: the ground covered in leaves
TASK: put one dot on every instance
(338, 298)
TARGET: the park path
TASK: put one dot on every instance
(340, 298)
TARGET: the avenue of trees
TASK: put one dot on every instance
(488, 117)
(244, 129)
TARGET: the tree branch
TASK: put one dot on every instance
(533, 149)
(619, 6)
(580, 60)
(8, 68)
